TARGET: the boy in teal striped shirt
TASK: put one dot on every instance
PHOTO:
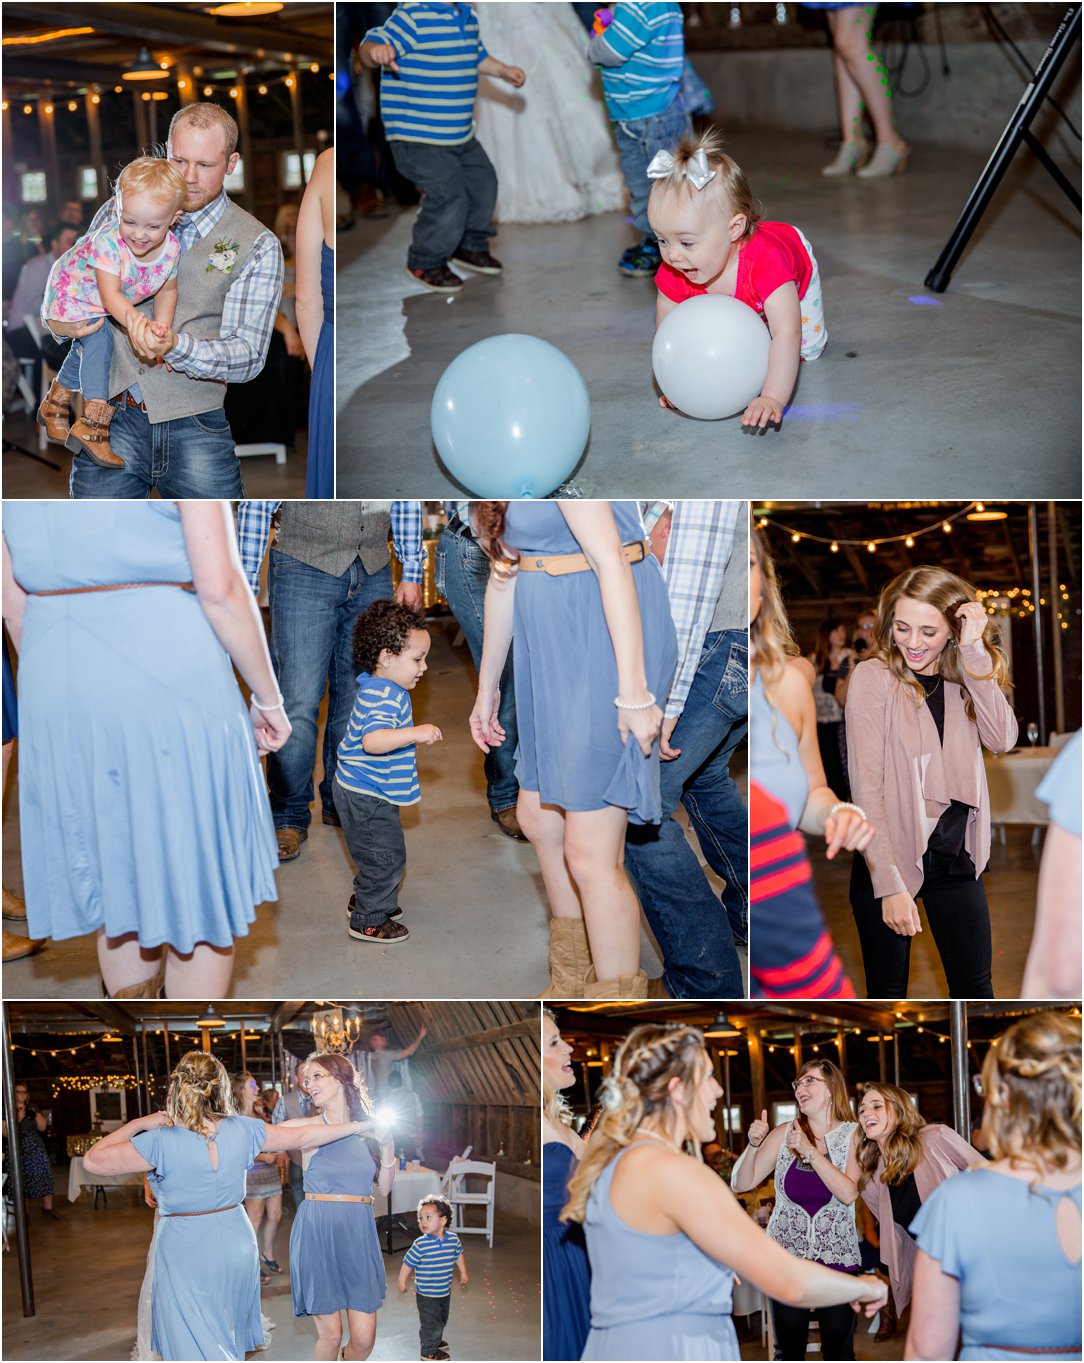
(432, 1257)
(377, 772)
(430, 54)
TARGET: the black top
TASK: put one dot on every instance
(905, 1203)
(945, 849)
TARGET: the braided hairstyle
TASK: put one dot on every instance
(1031, 1079)
(638, 1088)
(488, 520)
(199, 1092)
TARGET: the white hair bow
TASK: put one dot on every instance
(661, 167)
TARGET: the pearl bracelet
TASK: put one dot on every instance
(646, 705)
(278, 705)
(846, 804)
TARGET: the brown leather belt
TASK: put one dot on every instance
(336, 1197)
(212, 1211)
(114, 587)
(557, 565)
(131, 402)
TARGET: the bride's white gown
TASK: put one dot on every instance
(550, 140)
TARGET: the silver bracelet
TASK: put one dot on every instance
(278, 705)
(646, 705)
(847, 804)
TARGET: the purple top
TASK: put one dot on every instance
(806, 1188)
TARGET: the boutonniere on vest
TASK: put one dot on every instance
(223, 256)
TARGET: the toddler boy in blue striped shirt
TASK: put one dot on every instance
(377, 772)
(432, 1257)
(431, 52)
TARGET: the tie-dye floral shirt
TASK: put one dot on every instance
(71, 294)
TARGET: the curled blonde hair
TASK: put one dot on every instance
(728, 191)
(903, 1149)
(200, 1092)
(771, 639)
(154, 176)
(946, 593)
(1031, 1079)
(554, 1106)
(637, 1088)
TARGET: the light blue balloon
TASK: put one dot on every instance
(510, 417)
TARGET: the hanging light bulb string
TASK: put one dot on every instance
(943, 523)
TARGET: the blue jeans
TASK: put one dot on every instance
(462, 575)
(638, 139)
(190, 456)
(86, 365)
(312, 647)
(697, 940)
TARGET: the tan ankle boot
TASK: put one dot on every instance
(153, 988)
(13, 905)
(55, 412)
(90, 435)
(570, 959)
(627, 987)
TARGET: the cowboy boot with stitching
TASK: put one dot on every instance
(90, 435)
(55, 412)
(570, 959)
(627, 987)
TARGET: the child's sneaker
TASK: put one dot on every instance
(440, 280)
(440, 1353)
(639, 261)
(384, 934)
(395, 913)
(480, 262)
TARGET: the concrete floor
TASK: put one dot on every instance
(472, 897)
(917, 395)
(25, 477)
(87, 1271)
(1011, 882)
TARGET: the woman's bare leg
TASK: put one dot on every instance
(850, 39)
(595, 853)
(272, 1217)
(124, 963)
(205, 973)
(329, 1336)
(362, 1326)
(544, 826)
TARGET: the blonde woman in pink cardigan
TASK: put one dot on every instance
(919, 712)
(903, 1159)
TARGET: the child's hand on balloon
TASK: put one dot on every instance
(763, 412)
(664, 401)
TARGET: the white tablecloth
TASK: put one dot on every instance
(410, 1186)
(1013, 779)
(78, 1179)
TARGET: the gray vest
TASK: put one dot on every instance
(732, 608)
(331, 535)
(201, 296)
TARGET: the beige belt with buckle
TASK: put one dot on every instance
(336, 1197)
(558, 565)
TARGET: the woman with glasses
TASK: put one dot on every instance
(814, 1161)
(999, 1247)
(903, 1159)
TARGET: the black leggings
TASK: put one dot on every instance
(792, 1331)
(959, 918)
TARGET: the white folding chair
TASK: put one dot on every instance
(449, 1173)
(461, 1198)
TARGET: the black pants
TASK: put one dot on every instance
(432, 1318)
(374, 834)
(459, 194)
(959, 918)
(792, 1331)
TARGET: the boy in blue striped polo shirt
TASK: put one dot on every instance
(431, 54)
(641, 49)
(377, 772)
(432, 1258)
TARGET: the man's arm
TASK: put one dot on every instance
(408, 1051)
(253, 532)
(239, 351)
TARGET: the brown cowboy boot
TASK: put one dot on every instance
(570, 959)
(55, 412)
(90, 435)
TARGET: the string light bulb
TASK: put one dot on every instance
(72, 106)
(910, 542)
(834, 547)
(872, 546)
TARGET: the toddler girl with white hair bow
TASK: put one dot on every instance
(713, 240)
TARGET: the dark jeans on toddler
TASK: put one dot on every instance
(86, 367)
(459, 193)
(374, 835)
(432, 1318)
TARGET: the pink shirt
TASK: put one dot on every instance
(773, 255)
(71, 295)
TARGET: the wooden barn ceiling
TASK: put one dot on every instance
(49, 43)
(475, 1053)
(990, 554)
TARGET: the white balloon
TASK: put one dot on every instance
(710, 356)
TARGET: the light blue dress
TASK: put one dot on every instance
(998, 1238)
(1060, 788)
(653, 1296)
(774, 760)
(570, 750)
(335, 1259)
(142, 803)
(205, 1302)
